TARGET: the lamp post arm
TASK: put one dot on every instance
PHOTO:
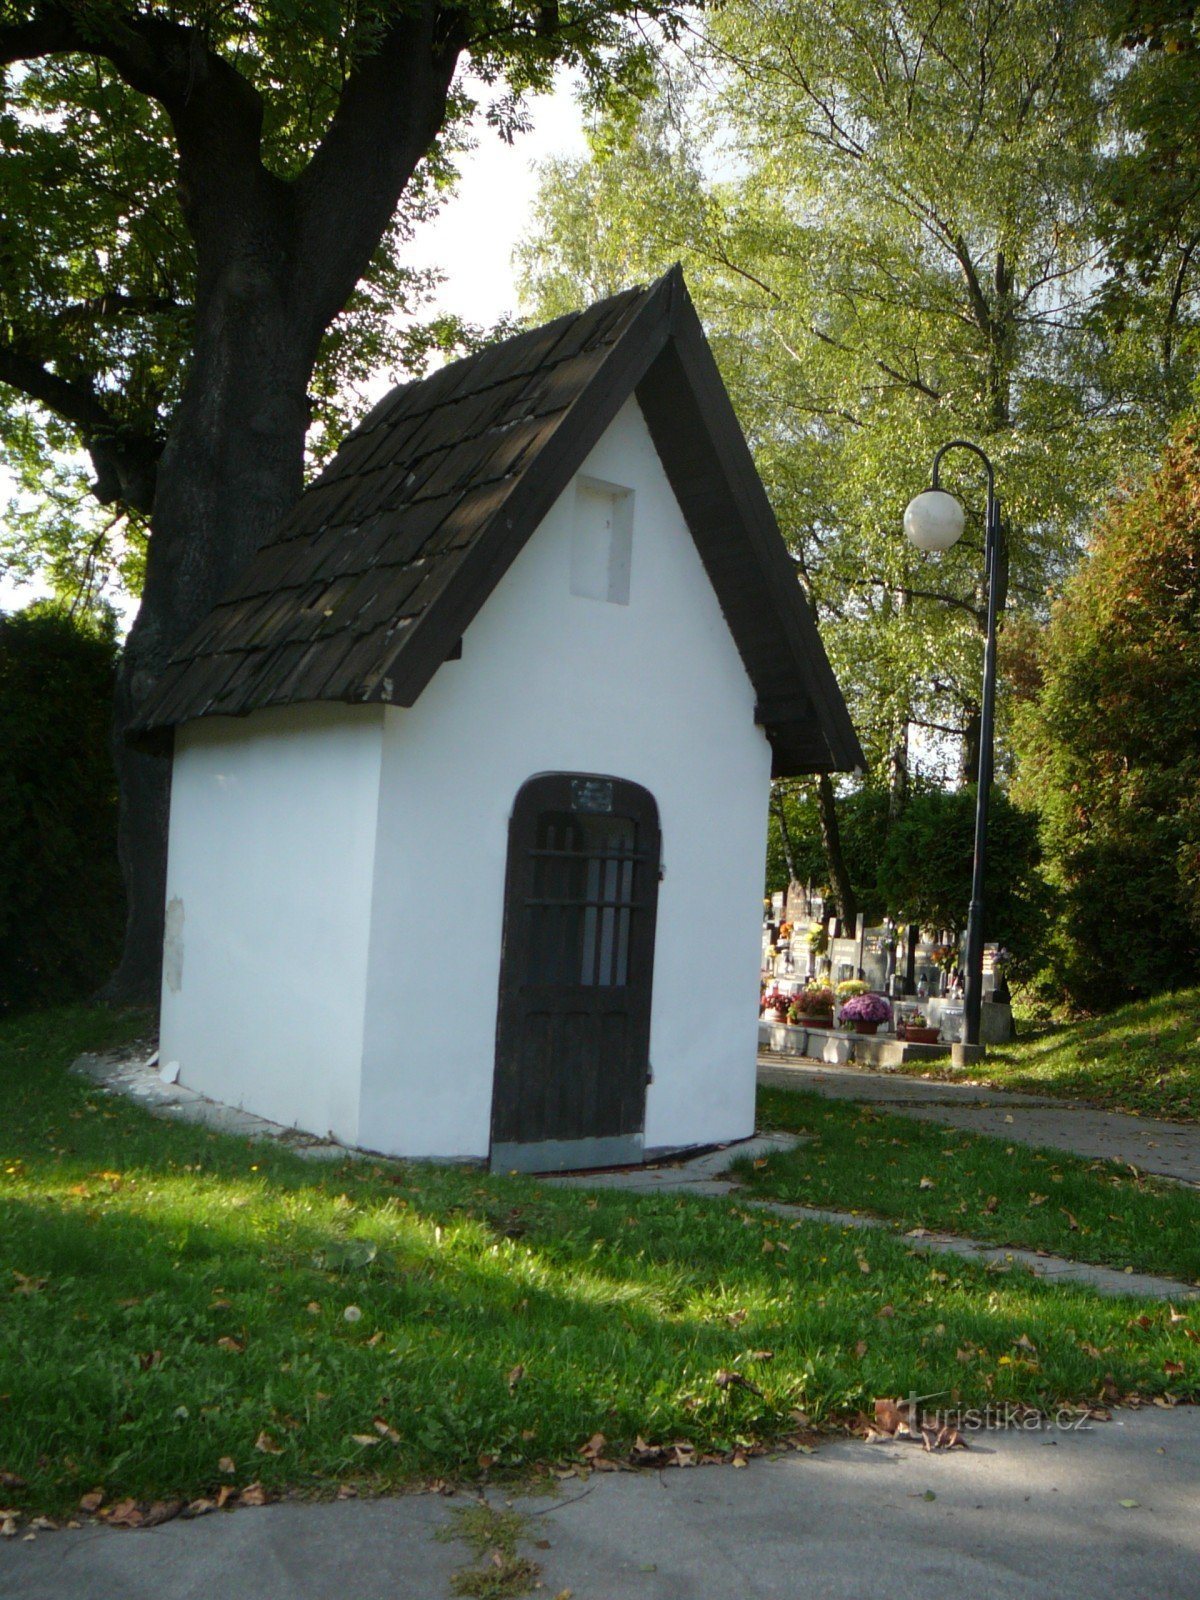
(965, 444)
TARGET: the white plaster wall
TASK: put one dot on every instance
(652, 691)
(269, 884)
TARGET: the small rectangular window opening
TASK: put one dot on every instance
(601, 541)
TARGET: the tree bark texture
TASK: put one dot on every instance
(831, 839)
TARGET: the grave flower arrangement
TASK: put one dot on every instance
(815, 1002)
(871, 1008)
(850, 987)
(776, 1000)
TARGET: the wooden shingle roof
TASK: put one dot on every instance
(372, 579)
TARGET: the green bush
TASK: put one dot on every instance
(1109, 747)
(61, 903)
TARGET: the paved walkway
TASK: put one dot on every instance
(1019, 1514)
(1166, 1149)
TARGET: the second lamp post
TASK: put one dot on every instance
(934, 521)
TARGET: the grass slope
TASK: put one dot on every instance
(181, 1311)
(1143, 1058)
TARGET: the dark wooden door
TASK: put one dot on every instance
(573, 1035)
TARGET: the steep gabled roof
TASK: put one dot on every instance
(372, 579)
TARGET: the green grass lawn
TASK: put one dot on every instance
(922, 1176)
(181, 1312)
(1143, 1058)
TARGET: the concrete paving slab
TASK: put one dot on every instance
(1055, 1269)
(701, 1174)
(1166, 1149)
(1021, 1513)
(135, 1074)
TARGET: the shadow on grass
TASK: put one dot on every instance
(168, 1308)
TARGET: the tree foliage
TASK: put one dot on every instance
(924, 871)
(1150, 189)
(1109, 747)
(894, 245)
(61, 905)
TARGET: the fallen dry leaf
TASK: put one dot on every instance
(126, 1514)
(12, 1480)
(92, 1501)
(254, 1495)
(893, 1418)
(1173, 1369)
(724, 1378)
(226, 1342)
(943, 1438)
(385, 1430)
(1025, 1343)
(926, 1183)
(8, 1527)
(227, 1466)
(515, 1374)
(593, 1447)
(366, 1439)
(267, 1445)
(161, 1511)
(225, 1494)
(991, 1204)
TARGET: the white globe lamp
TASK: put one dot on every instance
(934, 520)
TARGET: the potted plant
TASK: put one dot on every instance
(849, 987)
(916, 1029)
(813, 1007)
(775, 1004)
(866, 1011)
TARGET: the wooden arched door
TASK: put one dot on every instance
(573, 1032)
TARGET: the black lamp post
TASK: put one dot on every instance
(934, 521)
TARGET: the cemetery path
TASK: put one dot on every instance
(1098, 1513)
(1165, 1149)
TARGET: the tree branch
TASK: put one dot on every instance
(126, 461)
(216, 113)
(390, 109)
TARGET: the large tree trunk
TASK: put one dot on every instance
(831, 839)
(232, 466)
